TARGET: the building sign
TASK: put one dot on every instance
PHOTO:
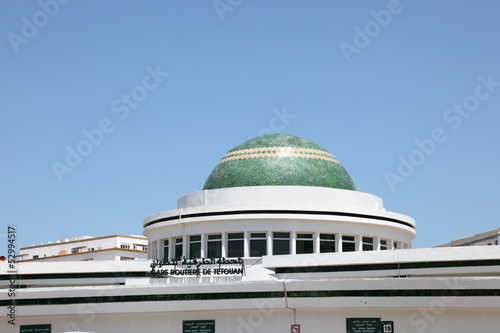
(363, 325)
(45, 328)
(387, 326)
(211, 266)
(198, 326)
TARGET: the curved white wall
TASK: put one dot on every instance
(268, 209)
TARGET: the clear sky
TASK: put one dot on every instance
(111, 110)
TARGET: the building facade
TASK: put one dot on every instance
(279, 240)
(115, 247)
(485, 238)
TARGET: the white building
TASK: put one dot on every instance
(116, 247)
(485, 238)
(277, 241)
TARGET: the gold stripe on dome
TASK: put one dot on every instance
(278, 152)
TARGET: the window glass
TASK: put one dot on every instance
(304, 243)
(195, 246)
(178, 248)
(165, 249)
(281, 243)
(258, 244)
(326, 243)
(367, 243)
(383, 244)
(214, 247)
(348, 244)
(235, 244)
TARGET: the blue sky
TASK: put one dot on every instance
(152, 94)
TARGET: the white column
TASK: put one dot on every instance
(223, 251)
(185, 246)
(317, 242)
(376, 243)
(171, 248)
(338, 242)
(390, 246)
(294, 242)
(358, 240)
(269, 243)
(246, 245)
(203, 252)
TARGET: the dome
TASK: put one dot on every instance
(279, 159)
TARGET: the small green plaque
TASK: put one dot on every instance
(44, 328)
(363, 325)
(198, 326)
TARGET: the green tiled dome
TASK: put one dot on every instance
(279, 159)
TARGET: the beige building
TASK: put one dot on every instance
(115, 247)
(485, 238)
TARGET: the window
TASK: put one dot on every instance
(348, 244)
(235, 245)
(195, 246)
(258, 244)
(304, 243)
(91, 249)
(125, 246)
(214, 246)
(165, 249)
(326, 243)
(35, 256)
(281, 243)
(395, 245)
(367, 244)
(178, 248)
(77, 250)
(383, 244)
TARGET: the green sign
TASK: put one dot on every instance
(363, 325)
(198, 326)
(45, 328)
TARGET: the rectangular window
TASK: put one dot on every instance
(178, 248)
(235, 245)
(367, 244)
(35, 256)
(195, 246)
(304, 243)
(77, 250)
(348, 244)
(281, 243)
(395, 245)
(214, 247)
(326, 243)
(165, 249)
(383, 244)
(125, 246)
(258, 244)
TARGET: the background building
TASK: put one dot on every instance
(116, 247)
(485, 238)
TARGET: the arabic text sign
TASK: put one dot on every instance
(363, 325)
(198, 326)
